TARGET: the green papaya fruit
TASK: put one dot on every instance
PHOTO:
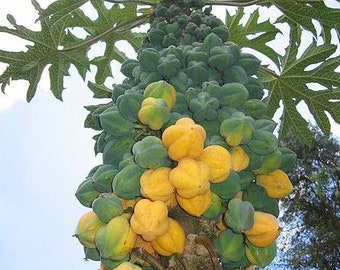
(265, 124)
(168, 66)
(149, 77)
(233, 94)
(127, 66)
(196, 54)
(115, 149)
(246, 179)
(114, 123)
(270, 162)
(254, 159)
(255, 88)
(240, 215)
(220, 58)
(126, 184)
(119, 89)
(288, 159)
(129, 104)
(261, 256)
(222, 32)
(112, 264)
(115, 239)
(210, 41)
(204, 107)
(148, 59)
(235, 74)
(216, 208)
(107, 206)
(197, 71)
(103, 177)
(127, 159)
(236, 130)
(91, 254)
(257, 196)
(249, 62)
(242, 263)
(181, 103)
(93, 116)
(263, 142)
(228, 188)
(155, 36)
(176, 51)
(150, 153)
(86, 192)
(180, 82)
(255, 108)
(229, 245)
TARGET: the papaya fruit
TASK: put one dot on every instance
(115, 149)
(114, 123)
(215, 208)
(263, 142)
(150, 153)
(203, 107)
(148, 59)
(239, 215)
(154, 112)
(102, 178)
(129, 104)
(264, 231)
(261, 256)
(115, 239)
(172, 242)
(234, 94)
(161, 89)
(229, 245)
(107, 206)
(195, 206)
(87, 228)
(276, 183)
(228, 188)
(86, 192)
(126, 183)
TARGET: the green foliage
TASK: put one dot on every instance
(312, 210)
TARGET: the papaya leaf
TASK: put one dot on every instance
(304, 12)
(99, 91)
(112, 24)
(61, 9)
(29, 65)
(261, 33)
(310, 78)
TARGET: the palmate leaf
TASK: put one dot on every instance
(303, 13)
(29, 65)
(294, 85)
(261, 33)
(119, 20)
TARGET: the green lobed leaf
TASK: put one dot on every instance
(263, 32)
(100, 91)
(294, 85)
(29, 65)
(303, 13)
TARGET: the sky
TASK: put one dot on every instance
(45, 153)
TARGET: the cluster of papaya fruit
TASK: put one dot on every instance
(188, 129)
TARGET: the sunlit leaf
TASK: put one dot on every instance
(293, 85)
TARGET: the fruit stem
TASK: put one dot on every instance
(141, 254)
(205, 241)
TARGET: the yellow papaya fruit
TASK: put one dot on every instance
(276, 183)
(172, 242)
(239, 158)
(197, 205)
(219, 161)
(264, 231)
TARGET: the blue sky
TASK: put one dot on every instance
(45, 152)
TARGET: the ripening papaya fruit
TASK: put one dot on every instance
(87, 228)
(115, 239)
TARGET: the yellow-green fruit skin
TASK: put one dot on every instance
(116, 239)
(87, 228)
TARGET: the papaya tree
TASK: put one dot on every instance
(192, 170)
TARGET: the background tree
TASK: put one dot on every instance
(311, 240)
